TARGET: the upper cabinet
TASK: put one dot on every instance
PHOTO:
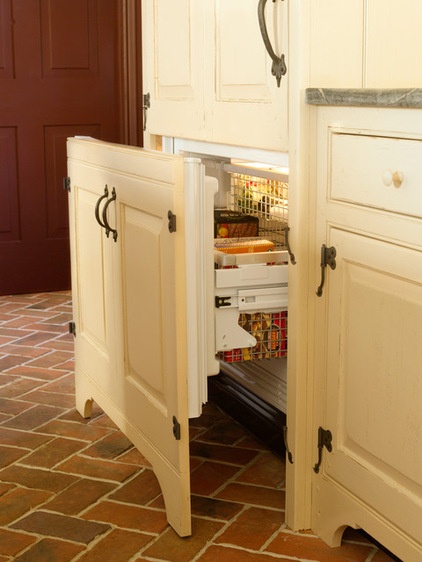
(209, 75)
(365, 43)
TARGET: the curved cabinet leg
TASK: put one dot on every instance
(83, 398)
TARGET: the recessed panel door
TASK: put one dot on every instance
(140, 379)
(92, 283)
(372, 388)
(174, 67)
(58, 77)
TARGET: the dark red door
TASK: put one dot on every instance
(59, 77)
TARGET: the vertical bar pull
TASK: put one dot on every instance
(105, 219)
(325, 439)
(278, 68)
(97, 207)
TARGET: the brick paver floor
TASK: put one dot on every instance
(77, 490)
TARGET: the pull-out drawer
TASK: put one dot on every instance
(376, 171)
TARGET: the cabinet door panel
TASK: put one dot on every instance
(143, 310)
(138, 290)
(370, 44)
(248, 108)
(173, 67)
(337, 44)
(372, 478)
(209, 75)
(91, 283)
(151, 379)
(393, 38)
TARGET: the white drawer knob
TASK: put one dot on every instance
(395, 178)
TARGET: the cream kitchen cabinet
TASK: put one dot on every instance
(129, 299)
(208, 75)
(368, 323)
(365, 44)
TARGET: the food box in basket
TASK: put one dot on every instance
(243, 245)
(233, 224)
(270, 332)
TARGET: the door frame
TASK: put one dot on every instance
(130, 29)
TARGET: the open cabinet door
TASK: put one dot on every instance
(129, 290)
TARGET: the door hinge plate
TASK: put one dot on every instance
(176, 429)
(66, 184)
(72, 328)
(172, 222)
(146, 104)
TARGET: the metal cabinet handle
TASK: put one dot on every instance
(278, 68)
(97, 207)
(105, 220)
(328, 257)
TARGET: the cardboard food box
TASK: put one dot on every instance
(243, 245)
(233, 224)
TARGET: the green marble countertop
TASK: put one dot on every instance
(365, 97)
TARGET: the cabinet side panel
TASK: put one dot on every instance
(393, 42)
(337, 33)
(173, 65)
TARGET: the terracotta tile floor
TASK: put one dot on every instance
(74, 489)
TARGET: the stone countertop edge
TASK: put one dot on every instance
(365, 97)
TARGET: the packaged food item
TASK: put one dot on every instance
(243, 245)
(233, 224)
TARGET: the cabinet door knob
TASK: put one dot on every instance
(396, 178)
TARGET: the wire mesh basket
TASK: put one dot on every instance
(265, 198)
(270, 331)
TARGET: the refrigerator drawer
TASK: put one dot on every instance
(251, 276)
(243, 318)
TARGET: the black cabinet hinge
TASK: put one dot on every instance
(66, 184)
(176, 429)
(325, 439)
(72, 328)
(172, 222)
(146, 104)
